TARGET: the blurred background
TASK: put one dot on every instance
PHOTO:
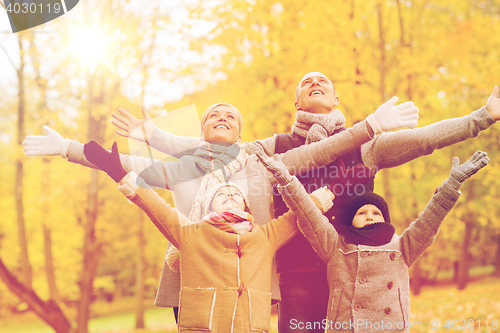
(75, 256)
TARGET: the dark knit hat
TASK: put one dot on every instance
(374, 234)
(368, 198)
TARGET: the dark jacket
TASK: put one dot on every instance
(298, 255)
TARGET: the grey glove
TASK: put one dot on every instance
(461, 172)
(275, 167)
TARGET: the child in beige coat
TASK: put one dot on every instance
(226, 258)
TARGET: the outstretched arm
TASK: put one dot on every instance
(170, 222)
(144, 130)
(167, 219)
(154, 172)
(396, 148)
(387, 117)
(422, 232)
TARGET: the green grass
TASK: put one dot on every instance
(479, 301)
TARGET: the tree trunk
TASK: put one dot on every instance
(383, 55)
(463, 268)
(416, 283)
(45, 181)
(139, 311)
(497, 258)
(49, 261)
(89, 266)
(90, 246)
(416, 279)
(382, 91)
(49, 311)
(26, 276)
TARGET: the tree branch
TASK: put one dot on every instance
(48, 311)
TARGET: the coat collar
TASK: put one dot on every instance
(393, 245)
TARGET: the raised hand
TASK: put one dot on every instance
(462, 172)
(390, 116)
(493, 104)
(51, 144)
(323, 198)
(131, 127)
(105, 160)
(275, 167)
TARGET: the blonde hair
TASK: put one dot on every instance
(204, 117)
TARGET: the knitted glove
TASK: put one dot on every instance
(105, 160)
(391, 117)
(461, 172)
(323, 198)
(51, 144)
(275, 167)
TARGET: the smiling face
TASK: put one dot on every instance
(315, 94)
(227, 197)
(367, 214)
(221, 125)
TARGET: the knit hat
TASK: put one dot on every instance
(208, 196)
(213, 106)
(374, 234)
(368, 198)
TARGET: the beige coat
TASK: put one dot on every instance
(225, 277)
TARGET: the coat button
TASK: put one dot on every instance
(390, 284)
(392, 256)
(387, 310)
(365, 254)
(362, 280)
(357, 307)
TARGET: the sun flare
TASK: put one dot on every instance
(89, 44)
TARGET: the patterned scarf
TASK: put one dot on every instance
(315, 127)
(235, 221)
(219, 163)
(174, 255)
